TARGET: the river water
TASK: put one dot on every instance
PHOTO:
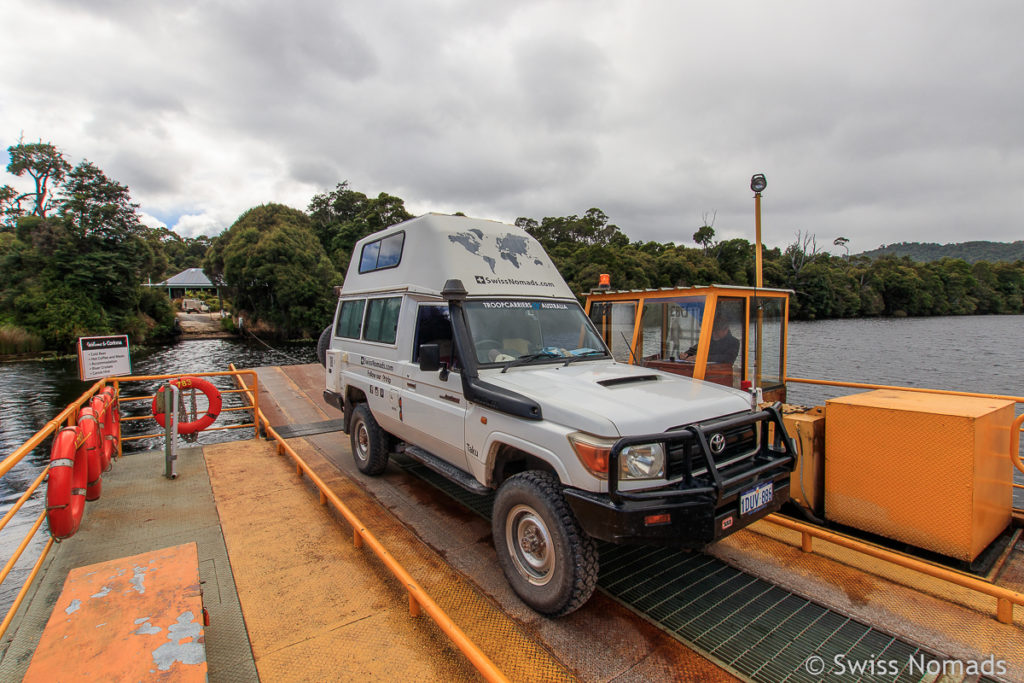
(970, 353)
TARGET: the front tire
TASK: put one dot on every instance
(548, 560)
(369, 442)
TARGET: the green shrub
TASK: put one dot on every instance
(18, 340)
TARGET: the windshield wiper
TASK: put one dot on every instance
(528, 358)
(581, 356)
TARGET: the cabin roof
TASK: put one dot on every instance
(665, 291)
(190, 277)
(492, 259)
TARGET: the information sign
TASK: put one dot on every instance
(100, 357)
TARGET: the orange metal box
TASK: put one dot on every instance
(931, 470)
(807, 482)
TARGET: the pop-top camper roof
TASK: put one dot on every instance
(490, 258)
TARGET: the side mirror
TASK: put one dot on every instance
(430, 357)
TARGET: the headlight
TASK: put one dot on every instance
(643, 461)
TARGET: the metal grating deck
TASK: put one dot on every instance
(756, 629)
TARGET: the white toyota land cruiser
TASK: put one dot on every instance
(457, 340)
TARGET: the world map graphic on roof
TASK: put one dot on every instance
(190, 277)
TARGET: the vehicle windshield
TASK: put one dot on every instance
(528, 331)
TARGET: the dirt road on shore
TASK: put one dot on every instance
(201, 326)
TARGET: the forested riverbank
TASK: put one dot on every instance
(75, 259)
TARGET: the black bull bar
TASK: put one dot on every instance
(767, 457)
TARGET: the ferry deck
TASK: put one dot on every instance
(294, 592)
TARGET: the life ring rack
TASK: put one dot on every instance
(212, 411)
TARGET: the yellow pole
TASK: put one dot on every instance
(758, 282)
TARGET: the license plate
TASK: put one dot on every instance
(756, 498)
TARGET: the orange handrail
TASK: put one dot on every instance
(69, 416)
(1018, 424)
(418, 598)
(862, 385)
(1005, 598)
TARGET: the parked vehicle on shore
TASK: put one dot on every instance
(194, 306)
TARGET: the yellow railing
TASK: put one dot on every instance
(1018, 424)
(418, 597)
(1005, 598)
(254, 407)
(69, 416)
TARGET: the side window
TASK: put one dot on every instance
(434, 326)
(382, 320)
(383, 253)
(350, 319)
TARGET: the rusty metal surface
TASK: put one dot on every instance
(318, 608)
(603, 641)
(863, 607)
(137, 618)
(952, 622)
(140, 511)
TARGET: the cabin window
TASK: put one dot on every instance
(382, 320)
(350, 319)
(434, 326)
(383, 253)
(725, 362)
(671, 327)
(768, 329)
(615, 322)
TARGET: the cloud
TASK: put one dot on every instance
(878, 121)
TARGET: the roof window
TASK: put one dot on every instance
(383, 253)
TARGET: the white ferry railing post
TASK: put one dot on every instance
(170, 430)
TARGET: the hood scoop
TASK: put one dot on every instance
(633, 379)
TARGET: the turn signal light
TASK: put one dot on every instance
(653, 520)
(593, 452)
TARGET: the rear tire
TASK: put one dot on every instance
(369, 442)
(548, 560)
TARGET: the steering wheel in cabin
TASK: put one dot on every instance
(485, 346)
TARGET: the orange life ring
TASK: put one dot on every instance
(114, 415)
(100, 405)
(65, 487)
(89, 447)
(197, 425)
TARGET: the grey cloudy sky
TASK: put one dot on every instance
(881, 121)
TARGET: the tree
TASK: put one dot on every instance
(705, 236)
(277, 268)
(93, 204)
(802, 251)
(842, 242)
(342, 217)
(45, 164)
(592, 228)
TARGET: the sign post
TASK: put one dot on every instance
(100, 357)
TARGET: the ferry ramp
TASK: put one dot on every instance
(754, 605)
(291, 597)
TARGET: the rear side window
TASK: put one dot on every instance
(350, 319)
(383, 253)
(382, 320)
